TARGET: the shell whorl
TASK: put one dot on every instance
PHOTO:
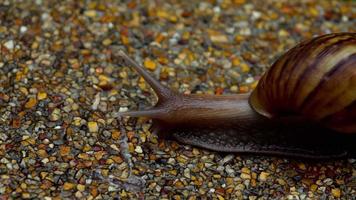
(315, 79)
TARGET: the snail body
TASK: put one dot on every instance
(304, 106)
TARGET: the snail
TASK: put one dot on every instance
(303, 106)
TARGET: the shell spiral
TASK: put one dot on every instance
(315, 79)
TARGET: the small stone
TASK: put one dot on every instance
(42, 153)
(30, 103)
(35, 45)
(80, 187)
(83, 156)
(328, 181)
(43, 175)
(234, 88)
(283, 33)
(171, 161)
(263, 176)
(182, 159)
(217, 37)
(281, 181)
(93, 127)
(26, 195)
(138, 149)
(179, 184)
(313, 187)
(9, 44)
(41, 95)
(55, 115)
(149, 64)
(98, 155)
(236, 61)
(245, 68)
(113, 146)
(23, 186)
(187, 172)
(77, 121)
(68, 186)
(217, 176)
(64, 150)
(24, 90)
(23, 29)
(107, 42)
(302, 166)
(45, 160)
(245, 176)
(79, 195)
(244, 89)
(245, 170)
(90, 13)
(115, 135)
(336, 192)
(196, 151)
(112, 188)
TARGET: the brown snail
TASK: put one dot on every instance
(304, 105)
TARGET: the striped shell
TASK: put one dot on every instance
(315, 79)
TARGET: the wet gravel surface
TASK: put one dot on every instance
(61, 85)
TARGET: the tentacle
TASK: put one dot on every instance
(164, 94)
(152, 113)
(161, 91)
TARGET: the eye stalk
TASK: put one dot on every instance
(189, 110)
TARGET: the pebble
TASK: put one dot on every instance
(171, 161)
(245, 176)
(187, 173)
(81, 187)
(62, 83)
(23, 29)
(107, 42)
(41, 95)
(64, 150)
(263, 176)
(68, 186)
(93, 127)
(31, 103)
(149, 64)
(9, 44)
(217, 37)
(55, 115)
(90, 13)
(138, 149)
(336, 192)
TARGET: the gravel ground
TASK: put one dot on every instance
(60, 85)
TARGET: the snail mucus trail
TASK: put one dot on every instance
(228, 123)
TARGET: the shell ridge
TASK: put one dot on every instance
(322, 87)
(306, 77)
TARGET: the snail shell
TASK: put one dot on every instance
(316, 79)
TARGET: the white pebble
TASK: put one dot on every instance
(187, 172)
(9, 44)
(171, 161)
(256, 15)
(23, 29)
(249, 80)
(45, 160)
(138, 149)
(96, 101)
(123, 109)
(113, 146)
